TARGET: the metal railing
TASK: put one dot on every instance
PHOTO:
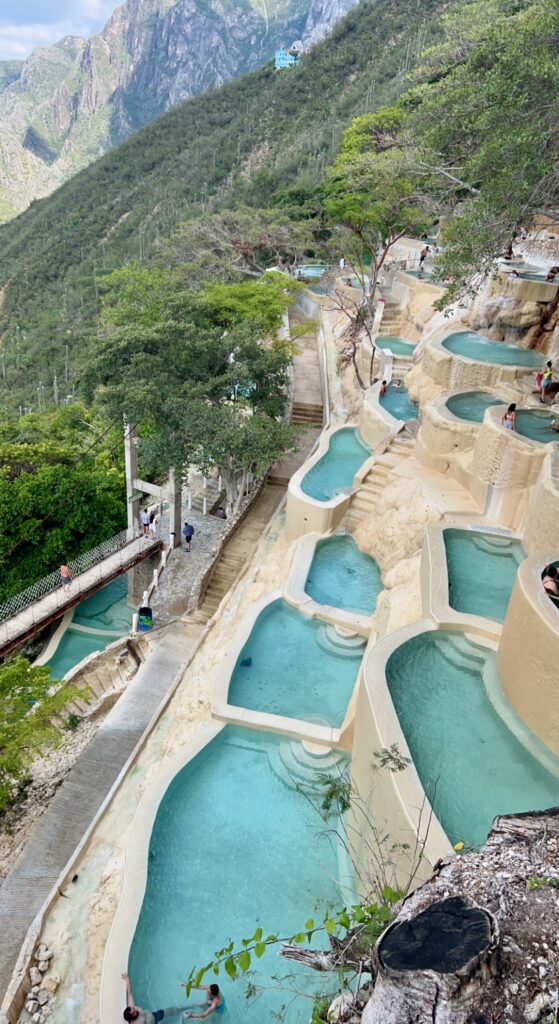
(42, 588)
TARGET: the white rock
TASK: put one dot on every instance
(339, 1006)
(534, 1010)
(43, 952)
(31, 1005)
(35, 976)
(36, 1017)
(51, 983)
(43, 997)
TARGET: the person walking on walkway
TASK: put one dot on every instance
(135, 1013)
(144, 520)
(65, 576)
(188, 533)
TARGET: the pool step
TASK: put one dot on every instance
(300, 769)
(345, 645)
(463, 653)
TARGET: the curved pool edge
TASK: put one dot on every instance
(398, 797)
(434, 581)
(452, 371)
(295, 595)
(136, 870)
(297, 728)
(305, 514)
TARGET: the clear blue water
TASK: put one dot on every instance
(343, 576)
(398, 404)
(334, 472)
(398, 346)
(481, 571)
(105, 611)
(475, 346)
(312, 269)
(234, 846)
(471, 765)
(425, 276)
(471, 405)
(289, 666)
(536, 424)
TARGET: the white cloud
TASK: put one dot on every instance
(18, 39)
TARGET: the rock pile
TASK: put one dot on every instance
(44, 983)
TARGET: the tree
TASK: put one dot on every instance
(203, 373)
(239, 241)
(374, 194)
(485, 115)
(29, 703)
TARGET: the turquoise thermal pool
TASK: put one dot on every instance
(398, 346)
(334, 472)
(398, 404)
(236, 845)
(343, 576)
(481, 571)
(97, 622)
(471, 764)
(312, 270)
(471, 405)
(475, 346)
(295, 666)
(536, 424)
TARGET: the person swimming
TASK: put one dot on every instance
(215, 1003)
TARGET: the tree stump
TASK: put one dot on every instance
(432, 968)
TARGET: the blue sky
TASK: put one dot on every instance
(25, 24)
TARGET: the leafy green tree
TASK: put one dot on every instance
(485, 115)
(375, 193)
(30, 704)
(55, 503)
(204, 373)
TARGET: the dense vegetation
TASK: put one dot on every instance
(265, 138)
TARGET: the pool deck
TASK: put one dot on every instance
(74, 810)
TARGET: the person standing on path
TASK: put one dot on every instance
(547, 380)
(188, 533)
(144, 520)
(65, 576)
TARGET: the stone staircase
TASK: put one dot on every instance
(106, 677)
(391, 319)
(214, 496)
(306, 415)
(365, 502)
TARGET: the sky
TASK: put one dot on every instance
(25, 24)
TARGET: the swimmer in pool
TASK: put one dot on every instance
(215, 1003)
(135, 1013)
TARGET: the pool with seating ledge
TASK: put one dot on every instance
(483, 350)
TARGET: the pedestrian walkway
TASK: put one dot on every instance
(38, 614)
(73, 809)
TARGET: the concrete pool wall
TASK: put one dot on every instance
(435, 580)
(452, 372)
(528, 654)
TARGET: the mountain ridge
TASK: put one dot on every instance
(69, 103)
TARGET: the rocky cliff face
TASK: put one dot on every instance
(68, 103)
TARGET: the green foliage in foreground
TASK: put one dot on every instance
(29, 706)
(61, 493)
(368, 920)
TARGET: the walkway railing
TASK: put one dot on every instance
(49, 583)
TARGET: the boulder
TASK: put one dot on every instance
(51, 983)
(340, 1006)
(43, 953)
(31, 1006)
(43, 997)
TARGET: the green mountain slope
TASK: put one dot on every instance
(251, 140)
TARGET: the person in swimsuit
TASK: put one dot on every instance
(383, 388)
(550, 581)
(135, 1013)
(509, 419)
(215, 1003)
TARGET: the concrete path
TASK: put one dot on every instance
(78, 800)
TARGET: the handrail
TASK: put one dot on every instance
(49, 583)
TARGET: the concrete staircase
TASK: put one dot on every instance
(365, 502)
(306, 415)
(214, 496)
(391, 319)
